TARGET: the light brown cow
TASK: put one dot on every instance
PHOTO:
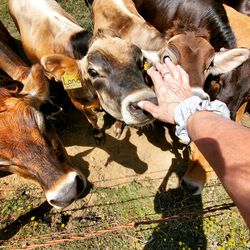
(111, 70)
(29, 145)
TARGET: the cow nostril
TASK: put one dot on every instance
(80, 185)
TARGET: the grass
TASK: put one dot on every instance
(26, 220)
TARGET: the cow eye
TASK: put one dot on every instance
(211, 64)
(92, 72)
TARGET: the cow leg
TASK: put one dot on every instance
(89, 110)
(118, 127)
(198, 172)
(92, 118)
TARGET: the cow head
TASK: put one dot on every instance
(30, 147)
(113, 67)
(195, 54)
(234, 87)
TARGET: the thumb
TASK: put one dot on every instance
(148, 106)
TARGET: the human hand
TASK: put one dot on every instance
(172, 87)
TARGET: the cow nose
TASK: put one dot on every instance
(65, 193)
(192, 188)
(140, 113)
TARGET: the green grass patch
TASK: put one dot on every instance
(34, 222)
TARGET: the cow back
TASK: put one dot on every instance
(208, 14)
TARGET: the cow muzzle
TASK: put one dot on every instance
(65, 192)
(132, 114)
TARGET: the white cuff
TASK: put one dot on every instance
(190, 106)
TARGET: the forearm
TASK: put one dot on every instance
(218, 139)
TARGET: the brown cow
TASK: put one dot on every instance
(234, 91)
(231, 87)
(29, 145)
(111, 70)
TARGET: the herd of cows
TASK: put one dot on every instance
(105, 69)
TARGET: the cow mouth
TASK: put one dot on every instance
(145, 117)
(132, 114)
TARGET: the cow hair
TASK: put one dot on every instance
(184, 27)
(10, 86)
(4, 93)
(217, 23)
(209, 14)
(80, 43)
(103, 33)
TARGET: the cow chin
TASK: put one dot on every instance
(131, 113)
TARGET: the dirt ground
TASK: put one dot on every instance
(151, 152)
(138, 154)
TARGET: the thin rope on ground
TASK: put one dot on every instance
(133, 224)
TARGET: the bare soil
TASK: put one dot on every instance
(139, 154)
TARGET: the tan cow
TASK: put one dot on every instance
(29, 145)
(111, 69)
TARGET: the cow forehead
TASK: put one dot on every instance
(114, 48)
(19, 114)
(189, 43)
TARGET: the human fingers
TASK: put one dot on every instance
(165, 73)
(156, 77)
(149, 107)
(184, 77)
(172, 68)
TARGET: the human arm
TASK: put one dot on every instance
(225, 144)
(219, 139)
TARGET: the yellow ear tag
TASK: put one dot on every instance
(71, 80)
(147, 65)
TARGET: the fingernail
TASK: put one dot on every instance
(140, 104)
(167, 59)
(152, 68)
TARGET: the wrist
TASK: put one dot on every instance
(187, 111)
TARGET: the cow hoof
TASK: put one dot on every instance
(118, 128)
(98, 136)
(117, 132)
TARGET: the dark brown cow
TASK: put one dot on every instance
(111, 70)
(29, 145)
(231, 87)
(242, 6)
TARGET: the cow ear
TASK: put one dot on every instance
(56, 65)
(227, 60)
(152, 57)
